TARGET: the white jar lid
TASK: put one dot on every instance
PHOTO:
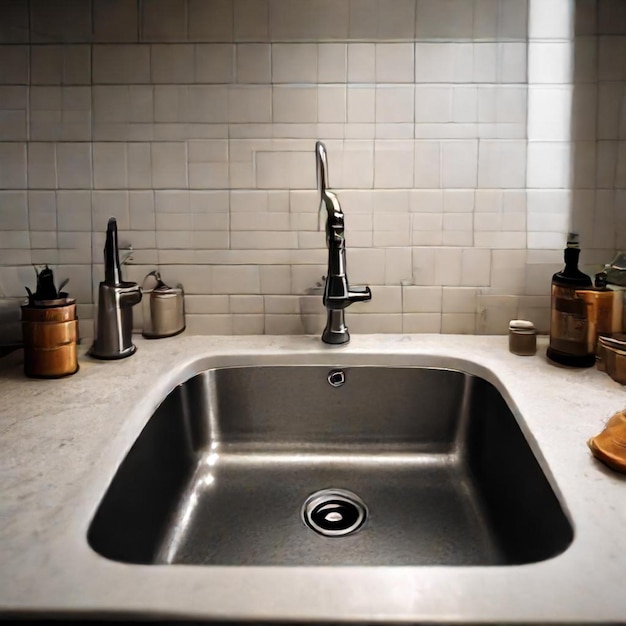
(521, 326)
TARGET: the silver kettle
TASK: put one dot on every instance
(163, 307)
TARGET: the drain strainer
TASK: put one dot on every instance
(334, 512)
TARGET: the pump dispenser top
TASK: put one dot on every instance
(570, 275)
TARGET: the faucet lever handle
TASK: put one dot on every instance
(359, 294)
(129, 294)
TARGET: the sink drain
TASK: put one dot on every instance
(334, 512)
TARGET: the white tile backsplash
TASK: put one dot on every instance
(427, 229)
(512, 62)
(463, 135)
(458, 201)
(253, 63)
(502, 164)
(445, 19)
(475, 267)
(109, 166)
(363, 19)
(14, 215)
(394, 63)
(361, 104)
(551, 62)
(422, 299)
(610, 50)
(74, 166)
(294, 63)
(433, 103)
(549, 113)
(285, 170)
(551, 19)
(48, 240)
(249, 103)
(60, 65)
(448, 264)
(394, 104)
(173, 63)
(549, 165)
(41, 210)
(74, 210)
(105, 204)
(464, 104)
(214, 63)
(13, 113)
(42, 171)
(294, 104)
(165, 20)
(331, 103)
(459, 164)
(426, 201)
(361, 63)
(121, 64)
(397, 20)
(436, 63)
(212, 21)
(427, 172)
(393, 164)
(169, 165)
(620, 173)
(115, 21)
(421, 323)
(15, 23)
(251, 20)
(332, 63)
(485, 62)
(14, 65)
(459, 299)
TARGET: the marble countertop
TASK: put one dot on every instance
(61, 442)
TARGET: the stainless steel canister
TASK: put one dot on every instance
(163, 308)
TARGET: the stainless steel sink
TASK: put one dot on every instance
(227, 470)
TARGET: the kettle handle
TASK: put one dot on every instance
(157, 276)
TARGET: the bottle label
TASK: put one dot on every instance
(568, 322)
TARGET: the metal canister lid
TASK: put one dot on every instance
(164, 294)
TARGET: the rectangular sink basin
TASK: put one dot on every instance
(421, 466)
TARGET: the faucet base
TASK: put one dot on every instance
(336, 331)
(95, 352)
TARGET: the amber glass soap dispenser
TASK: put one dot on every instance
(568, 315)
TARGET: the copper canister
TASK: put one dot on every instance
(50, 341)
(64, 313)
(599, 303)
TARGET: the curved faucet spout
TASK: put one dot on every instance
(321, 167)
(328, 200)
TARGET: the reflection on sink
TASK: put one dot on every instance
(220, 473)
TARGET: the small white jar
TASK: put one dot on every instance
(522, 337)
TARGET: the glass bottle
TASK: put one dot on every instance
(569, 319)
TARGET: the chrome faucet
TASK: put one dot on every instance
(116, 297)
(338, 295)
